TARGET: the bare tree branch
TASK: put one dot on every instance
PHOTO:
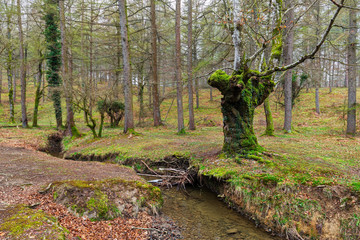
(308, 56)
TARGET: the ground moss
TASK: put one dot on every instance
(100, 204)
(101, 201)
(23, 219)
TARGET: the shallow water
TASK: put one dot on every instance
(201, 215)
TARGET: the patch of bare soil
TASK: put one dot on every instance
(24, 171)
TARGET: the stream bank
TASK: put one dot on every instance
(292, 210)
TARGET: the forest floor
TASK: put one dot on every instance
(308, 185)
(24, 172)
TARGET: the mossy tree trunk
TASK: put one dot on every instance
(269, 131)
(242, 93)
(52, 37)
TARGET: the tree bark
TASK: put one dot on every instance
(9, 69)
(269, 131)
(14, 84)
(154, 67)
(53, 59)
(241, 95)
(288, 58)
(70, 122)
(237, 35)
(189, 69)
(351, 56)
(318, 69)
(38, 92)
(179, 86)
(129, 116)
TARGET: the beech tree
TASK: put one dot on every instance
(245, 89)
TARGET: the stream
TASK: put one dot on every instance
(201, 215)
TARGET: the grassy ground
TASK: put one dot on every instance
(315, 155)
(316, 148)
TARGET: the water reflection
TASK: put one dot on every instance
(201, 215)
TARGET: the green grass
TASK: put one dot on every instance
(316, 153)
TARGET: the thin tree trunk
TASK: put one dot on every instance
(288, 58)
(38, 92)
(9, 70)
(197, 93)
(179, 86)
(351, 55)
(269, 119)
(129, 116)
(1, 84)
(189, 70)
(318, 62)
(14, 84)
(154, 67)
(331, 83)
(237, 35)
(118, 63)
(70, 122)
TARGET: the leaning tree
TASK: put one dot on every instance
(252, 79)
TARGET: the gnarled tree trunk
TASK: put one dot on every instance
(242, 93)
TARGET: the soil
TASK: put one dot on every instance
(25, 171)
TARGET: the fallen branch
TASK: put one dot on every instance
(149, 167)
(162, 176)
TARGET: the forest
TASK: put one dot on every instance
(170, 119)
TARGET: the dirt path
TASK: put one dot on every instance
(23, 171)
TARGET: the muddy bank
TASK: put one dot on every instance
(292, 211)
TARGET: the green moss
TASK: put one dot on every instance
(269, 179)
(219, 80)
(23, 219)
(100, 204)
(181, 132)
(55, 195)
(75, 132)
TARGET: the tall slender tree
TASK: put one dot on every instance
(129, 116)
(179, 85)
(24, 119)
(288, 59)
(9, 60)
(318, 70)
(189, 68)
(351, 56)
(154, 66)
(70, 122)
